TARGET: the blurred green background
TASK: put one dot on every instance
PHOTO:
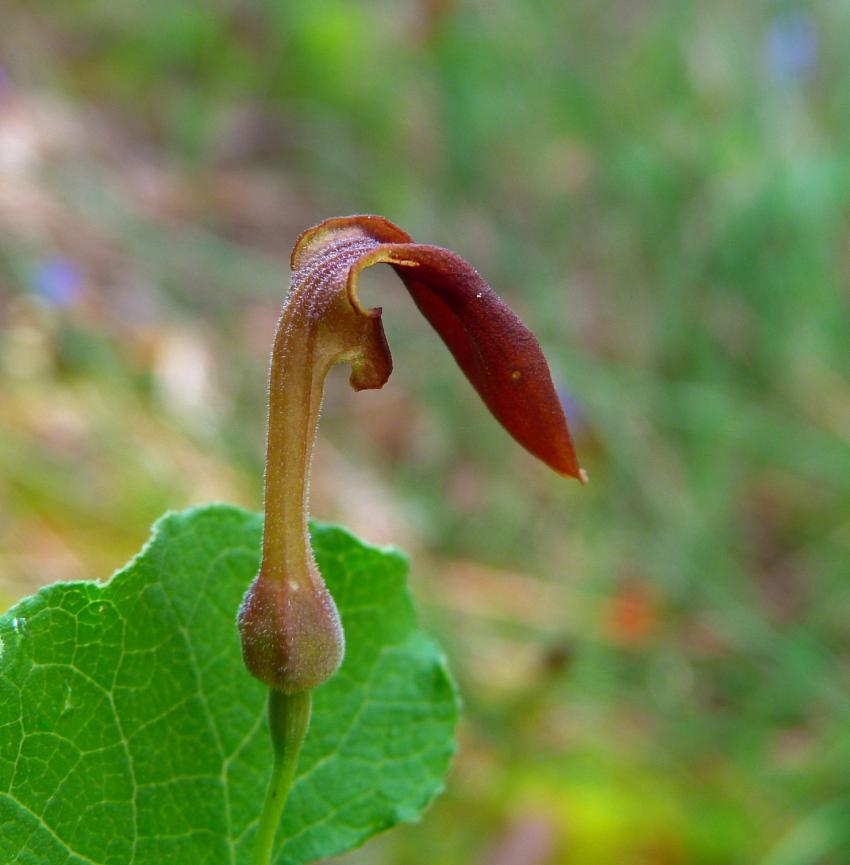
(656, 669)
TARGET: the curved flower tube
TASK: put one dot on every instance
(291, 634)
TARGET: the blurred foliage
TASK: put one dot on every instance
(657, 667)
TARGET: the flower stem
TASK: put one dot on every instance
(289, 717)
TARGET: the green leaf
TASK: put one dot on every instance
(131, 733)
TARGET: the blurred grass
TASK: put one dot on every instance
(656, 668)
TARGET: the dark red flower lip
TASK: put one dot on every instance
(498, 354)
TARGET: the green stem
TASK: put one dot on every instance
(289, 717)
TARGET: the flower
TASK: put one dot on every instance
(291, 635)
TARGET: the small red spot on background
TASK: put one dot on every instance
(631, 615)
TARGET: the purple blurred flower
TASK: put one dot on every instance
(572, 408)
(59, 281)
(791, 45)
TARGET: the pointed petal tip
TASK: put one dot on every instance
(563, 459)
(572, 471)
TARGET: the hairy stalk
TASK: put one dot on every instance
(289, 717)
